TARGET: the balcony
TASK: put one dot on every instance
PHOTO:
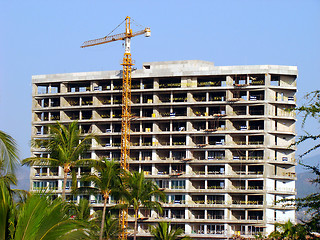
(217, 98)
(213, 141)
(86, 102)
(78, 87)
(178, 143)
(176, 173)
(211, 81)
(285, 99)
(199, 216)
(170, 82)
(243, 202)
(199, 172)
(55, 117)
(164, 98)
(215, 217)
(216, 202)
(217, 157)
(199, 97)
(175, 202)
(180, 98)
(216, 187)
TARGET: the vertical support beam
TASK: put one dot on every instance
(125, 123)
(126, 111)
(125, 131)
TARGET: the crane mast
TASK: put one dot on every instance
(127, 64)
(126, 99)
(125, 121)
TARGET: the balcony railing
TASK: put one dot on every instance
(178, 143)
(247, 158)
(217, 158)
(175, 202)
(215, 217)
(173, 216)
(243, 202)
(216, 187)
(175, 172)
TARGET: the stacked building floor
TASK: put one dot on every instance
(216, 139)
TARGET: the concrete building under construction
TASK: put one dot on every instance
(217, 139)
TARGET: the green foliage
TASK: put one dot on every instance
(106, 182)
(6, 212)
(80, 211)
(163, 232)
(311, 109)
(111, 227)
(66, 146)
(8, 154)
(38, 218)
(288, 231)
(138, 192)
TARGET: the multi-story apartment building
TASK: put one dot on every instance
(216, 139)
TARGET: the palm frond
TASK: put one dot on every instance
(6, 206)
(8, 153)
(31, 161)
(43, 219)
(162, 231)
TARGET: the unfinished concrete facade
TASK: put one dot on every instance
(216, 139)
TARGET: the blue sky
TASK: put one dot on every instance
(43, 37)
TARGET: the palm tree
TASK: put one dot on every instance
(106, 182)
(80, 211)
(111, 227)
(163, 232)
(289, 231)
(8, 163)
(138, 192)
(37, 218)
(65, 146)
(8, 155)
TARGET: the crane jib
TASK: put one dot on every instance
(112, 38)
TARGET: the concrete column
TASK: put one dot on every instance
(228, 139)
(188, 229)
(156, 83)
(34, 89)
(228, 153)
(94, 155)
(188, 169)
(156, 98)
(64, 87)
(184, 82)
(140, 155)
(226, 213)
(153, 170)
(229, 82)
(267, 79)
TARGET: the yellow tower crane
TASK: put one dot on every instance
(126, 100)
